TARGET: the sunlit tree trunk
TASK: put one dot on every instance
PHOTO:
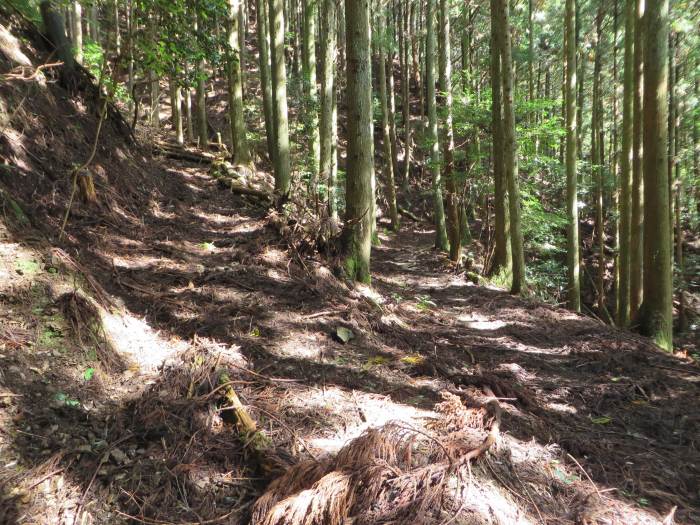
(447, 135)
(310, 12)
(441, 242)
(117, 41)
(155, 100)
(329, 110)
(187, 103)
(574, 280)
(656, 310)
(265, 81)
(596, 162)
(406, 95)
(391, 99)
(93, 26)
(388, 154)
(239, 142)
(357, 237)
(637, 220)
(279, 98)
(241, 15)
(510, 149)
(623, 305)
(130, 81)
(502, 260)
(77, 30)
(176, 110)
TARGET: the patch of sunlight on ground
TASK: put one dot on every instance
(215, 218)
(478, 322)
(562, 408)
(136, 340)
(141, 262)
(300, 345)
(376, 409)
(369, 293)
(274, 256)
(194, 188)
(278, 276)
(484, 498)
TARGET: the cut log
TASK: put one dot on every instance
(178, 152)
(244, 190)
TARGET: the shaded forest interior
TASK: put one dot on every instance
(294, 262)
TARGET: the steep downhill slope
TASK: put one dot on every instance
(127, 346)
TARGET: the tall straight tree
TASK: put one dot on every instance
(176, 109)
(637, 221)
(447, 135)
(441, 242)
(406, 93)
(656, 310)
(574, 279)
(596, 159)
(239, 142)
(265, 81)
(279, 101)
(357, 237)
(387, 145)
(510, 151)
(310, 12)
(502, 260)
(77, 30)
(623, 304)
(201, 95)
(329, 109)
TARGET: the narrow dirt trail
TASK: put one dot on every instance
(205, 266)
(604, 396)
(202, 280)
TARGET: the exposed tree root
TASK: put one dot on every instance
(393, 474)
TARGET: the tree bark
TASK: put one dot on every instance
(405, 96)
(386, 134)
(448, 143)
(265, 81)
(357, 241)
(597, 164)
(239, 142)
(329, 110)
(510, 148)
(201, 96)
(637, 221)
(441, 242)
(279, 97)
(176, 110)
(623, 305)
(77, 31)
(656, 310)
(502, 261)
(574, 279)
(310, 12)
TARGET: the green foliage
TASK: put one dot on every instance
(424, 302)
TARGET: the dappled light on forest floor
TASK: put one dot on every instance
(186, 354)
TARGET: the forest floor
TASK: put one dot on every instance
(120, 420)
(114, 339)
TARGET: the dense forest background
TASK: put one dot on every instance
(522, 123)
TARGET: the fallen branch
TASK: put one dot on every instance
(403, 211)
